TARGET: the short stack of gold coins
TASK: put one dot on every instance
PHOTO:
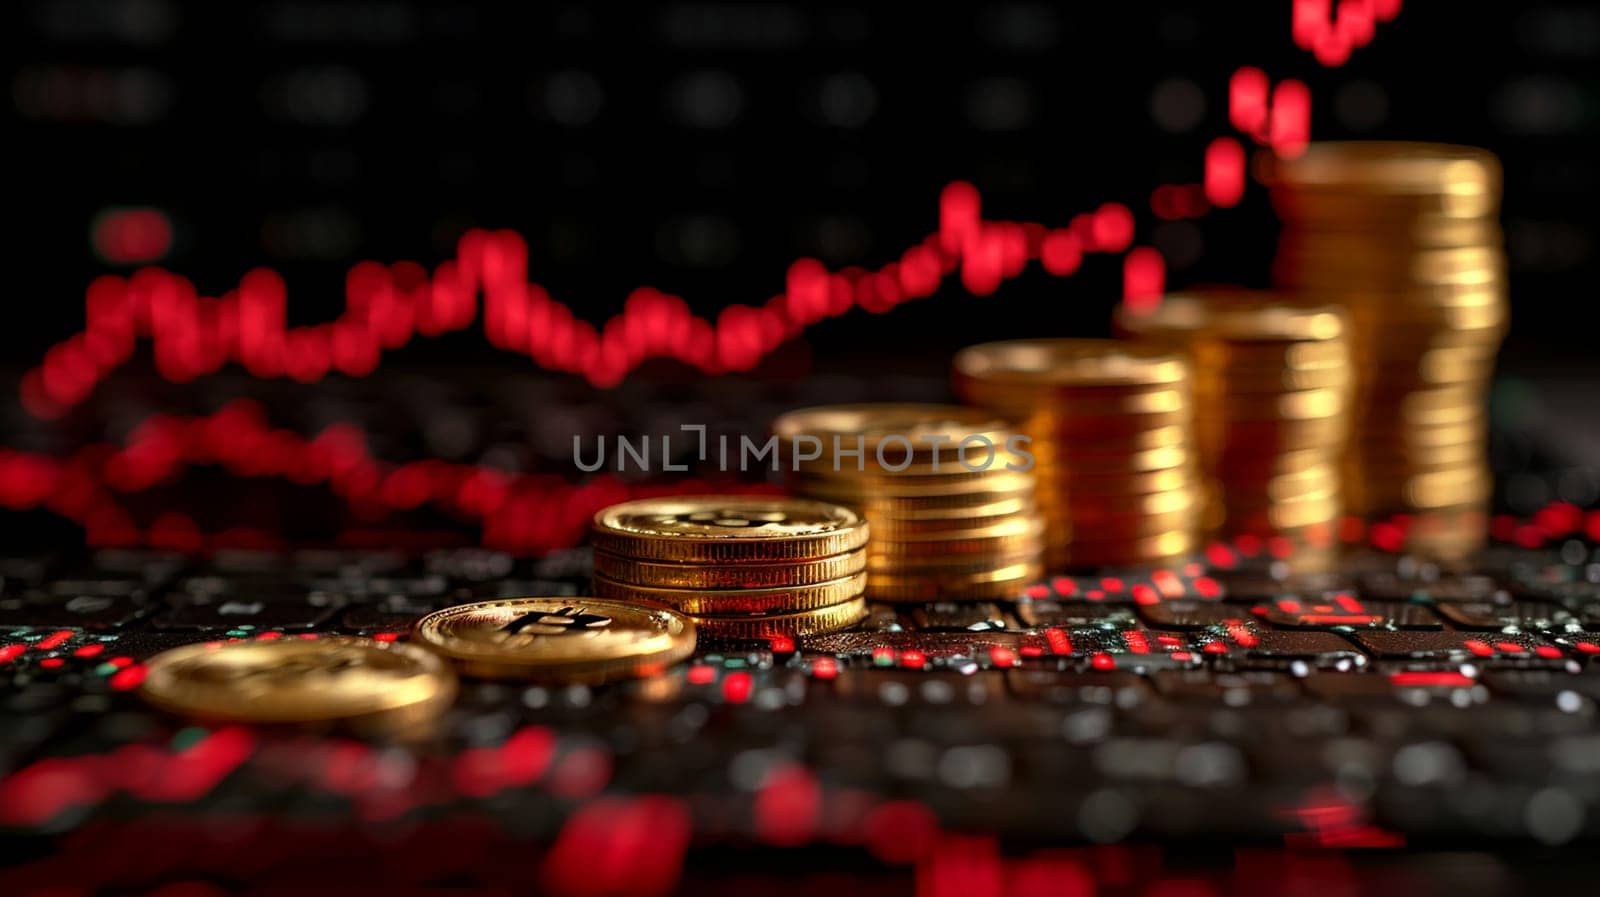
(1272, 393)
(1404, 236)
(1112, 434)
(740, 567)
(948, 491)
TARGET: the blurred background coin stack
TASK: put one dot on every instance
(1272, 393)
(948, 495)
(1404, 237)
(1111, 428)
(744, 567)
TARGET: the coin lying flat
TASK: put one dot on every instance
(728, 529)
(300, 681)
(557, 639)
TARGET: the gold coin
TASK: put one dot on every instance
(1432, 456)
(739, 600)
(987, 585)
(941, 564)
(1309, 404)
(728, 576)
(1386, 168)
(1238, 381)
(1292, 435)
(1148, 406)
(1382, 228)
(1233, 315)
(1048, 424)
(915, 428)
(878, 505)
(913, 517)
(763, 626)
(1066, 362)
(331, 679)
(890, 530)
(909, 480)
(888, 492)
(1053, 483)
(1014, 534)
(1087, 461)
(582, 640)
(728, 529)
(1152, 550)
(1284, 516)
(1148, 514)
(1421, 437)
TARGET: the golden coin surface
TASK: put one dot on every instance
(728, 576)
(905, 427)
(1021, 402)
(738, 600)
(1067, 362)
(1092, 461)
(1003, 582)
(1388, 167)
(912, 518)
(944, 565)
(560, 639)
(1012, 534)
(299, 681)
(1153, 551)
(910, 479)
(761, 626)
(888, 492)
(728, 529)
(1233, 315)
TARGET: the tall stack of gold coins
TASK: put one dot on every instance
(1112, 434)
(1404, 236)
(1272, 394)
(742, 567)
(948, 491)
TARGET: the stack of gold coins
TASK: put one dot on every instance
(744, 567)
(1404, 237)
(948, 491)
(1272, 393)
(1111, 429)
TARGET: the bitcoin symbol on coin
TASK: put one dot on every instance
(566, 621)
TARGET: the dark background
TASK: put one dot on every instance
(701, 147)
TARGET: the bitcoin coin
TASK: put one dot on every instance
(582, 640)
(737, 600)
(728, 529)
(332, 679)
